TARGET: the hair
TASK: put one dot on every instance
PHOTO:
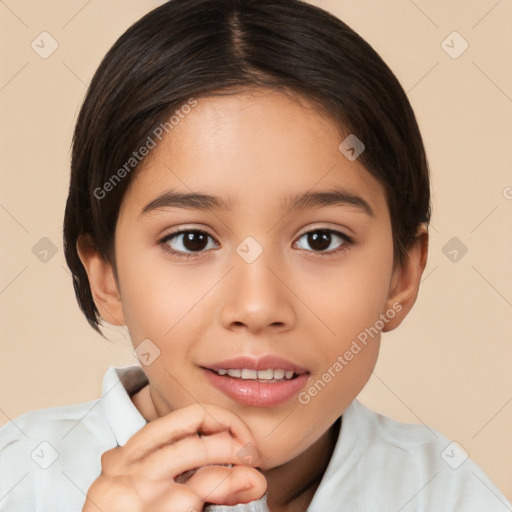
(187, 49)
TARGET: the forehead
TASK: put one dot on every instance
(255, 148)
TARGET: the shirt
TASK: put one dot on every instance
(50, 457)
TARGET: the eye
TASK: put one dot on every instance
(187, 242)
(324, 241)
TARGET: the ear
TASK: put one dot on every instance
(102, 282)
(405, 281)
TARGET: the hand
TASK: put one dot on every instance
(139, 476)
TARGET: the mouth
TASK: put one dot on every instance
(265, 382)
(266, 376)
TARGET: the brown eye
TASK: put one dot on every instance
(194, 241)
(323, 240)
(190, 241)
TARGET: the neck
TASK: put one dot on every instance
(291, 486)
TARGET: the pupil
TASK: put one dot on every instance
(319, 240)
(194, 241)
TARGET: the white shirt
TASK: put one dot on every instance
(50, 457)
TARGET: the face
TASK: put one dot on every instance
(251, 272)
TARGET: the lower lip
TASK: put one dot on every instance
(256, 393)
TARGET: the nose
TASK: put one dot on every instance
(256, 297)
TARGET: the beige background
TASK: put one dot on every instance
(448, 366)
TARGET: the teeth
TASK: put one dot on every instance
(279, 374)
(268, 374)
(248, 374)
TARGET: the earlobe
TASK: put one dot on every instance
(102, 282)
(406, 281)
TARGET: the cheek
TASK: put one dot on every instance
(155, 294)
(353, 294)
(350, 304)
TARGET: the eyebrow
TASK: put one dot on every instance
(333, 197)
(190, 201)
(305, 200)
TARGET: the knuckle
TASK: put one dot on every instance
(106, 457)
(205, 452)
(180, 499)
(198, 412)
(99, 490)
(109, 460)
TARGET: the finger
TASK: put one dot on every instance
(203, 418)
(192, 452)
(112, 462)
(228, 486)
(176, 499)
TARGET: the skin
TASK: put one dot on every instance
(306, 306)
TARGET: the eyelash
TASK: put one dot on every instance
(347, 242)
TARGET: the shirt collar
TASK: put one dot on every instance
(119, 384)
(345, 456)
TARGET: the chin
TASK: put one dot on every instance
(274, 456)
(268, 463)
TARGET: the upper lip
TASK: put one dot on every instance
(263, 363)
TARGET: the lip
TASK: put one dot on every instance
(253, 392)
(262, 363)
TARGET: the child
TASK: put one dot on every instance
(250, 196)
